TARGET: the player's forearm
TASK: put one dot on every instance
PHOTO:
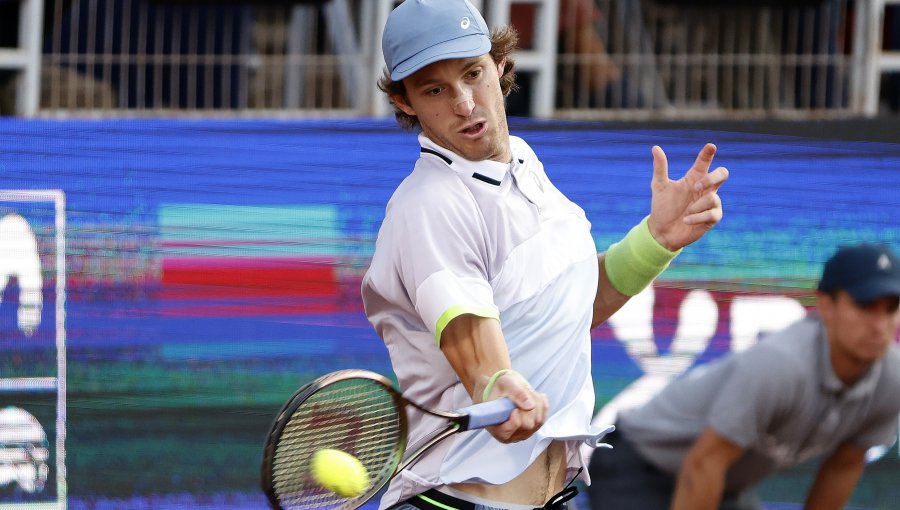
(627, 268)
(477, 351)
(475, 348)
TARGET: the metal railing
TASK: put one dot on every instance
(696, 59)
(656, 59)
(144, 57)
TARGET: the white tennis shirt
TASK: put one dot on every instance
(495, 240)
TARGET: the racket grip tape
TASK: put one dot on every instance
(486, 414)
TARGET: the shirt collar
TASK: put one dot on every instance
(830, 381)
(489, 171)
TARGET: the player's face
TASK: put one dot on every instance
(460, 107)
(860, 333)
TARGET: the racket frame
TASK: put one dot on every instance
(302, 395)
(457, 422)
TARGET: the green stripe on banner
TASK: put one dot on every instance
(244, 231)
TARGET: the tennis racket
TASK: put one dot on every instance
(358, 412)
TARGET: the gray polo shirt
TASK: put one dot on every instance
(780, 400)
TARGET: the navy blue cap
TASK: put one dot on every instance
(866, 271)
(421, 32)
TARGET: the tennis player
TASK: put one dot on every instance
(828, 386)
(485, 281)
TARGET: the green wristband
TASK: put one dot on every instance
(635, 261)
(490, 384)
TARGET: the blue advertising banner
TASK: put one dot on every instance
(167, 284)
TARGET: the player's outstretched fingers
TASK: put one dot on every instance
(704, 158)
(699, 170)
(712, 181)
(707, 216)
(705, 203)
(660, 166)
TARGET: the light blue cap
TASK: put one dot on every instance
(420, 32)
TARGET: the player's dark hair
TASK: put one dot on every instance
(503, 42)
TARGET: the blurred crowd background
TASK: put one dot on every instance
(579, 59)
(192, 191)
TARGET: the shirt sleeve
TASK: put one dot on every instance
(757, 393)
(878, 432)
(883, 422)
(442, 257)
(881, 428)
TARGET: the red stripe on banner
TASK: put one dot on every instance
(250, 310)
(218, 278)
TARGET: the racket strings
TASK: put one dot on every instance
(357, 416)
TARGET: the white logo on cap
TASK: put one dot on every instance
(884, 263)
(464, 24)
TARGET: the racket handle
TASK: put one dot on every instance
(486, 414)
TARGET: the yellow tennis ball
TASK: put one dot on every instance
(339, 472)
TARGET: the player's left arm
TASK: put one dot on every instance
(608, 299)
(681, 212)
(837, 477)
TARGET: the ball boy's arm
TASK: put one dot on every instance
(701, 480)
(836, 478)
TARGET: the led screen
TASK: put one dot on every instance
(167, 284)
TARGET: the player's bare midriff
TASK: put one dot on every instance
(545, 477)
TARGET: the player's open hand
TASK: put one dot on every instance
(682, 211)
(531, 412)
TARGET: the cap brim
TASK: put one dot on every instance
(474, 45)
(872, 290)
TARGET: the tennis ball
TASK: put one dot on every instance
(339, 472)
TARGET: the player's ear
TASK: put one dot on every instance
(399, 100)
(500, 66)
